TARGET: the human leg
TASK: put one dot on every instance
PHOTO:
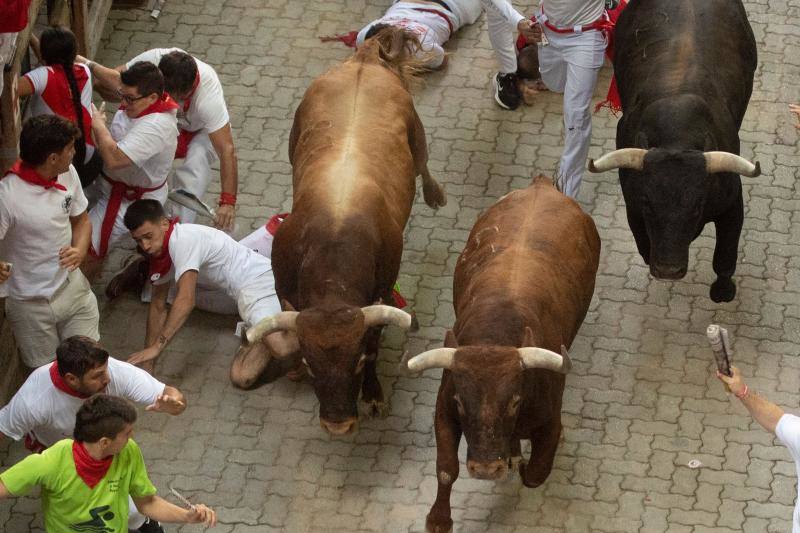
(194, 174)
(584, 58)
(466, 11)
(76, 309)
(34, 326)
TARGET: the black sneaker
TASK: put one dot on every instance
(506, 92)
(151, 526)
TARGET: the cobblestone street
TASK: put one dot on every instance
(640, 402)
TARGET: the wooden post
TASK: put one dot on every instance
(80, 25)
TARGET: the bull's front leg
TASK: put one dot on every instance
(728, 228)
(371, 390)
(448, 434)
(544, 442)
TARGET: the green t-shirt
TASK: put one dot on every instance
(68, 502)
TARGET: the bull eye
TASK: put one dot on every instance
(308, 367)
(513, 405)
(360, 365)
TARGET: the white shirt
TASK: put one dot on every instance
(149, 142)
(34, 226)
(48, 414)
(220, 261)
(431, 29)
(788, 432)
(207, 111)
(48, 97)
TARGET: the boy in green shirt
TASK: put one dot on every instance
(86, 482)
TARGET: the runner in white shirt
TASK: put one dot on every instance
(63, 87)
(569, 64)
(44, 237)
(43, 410)
(137, 156)
(204, 123)
(195, 255)
(772, 418)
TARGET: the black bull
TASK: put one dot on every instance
(684, 69)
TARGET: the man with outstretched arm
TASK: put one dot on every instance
(42, 412)
(194, 255)
(203, 121)
(86, 482)
(772, 418)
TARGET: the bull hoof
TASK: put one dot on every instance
(432, 525)
(514, 462)
(531, 480)
(722, 290)
(375, 408)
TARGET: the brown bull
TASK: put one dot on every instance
(522, 287)
(356, 148)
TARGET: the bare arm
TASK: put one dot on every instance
(4, 492)
(113, 157)
(24, 87)
(71, 257)
(107, 78)
(156, 313)
(763, 411)
(160, 509)
(222, 140)
(181, 308)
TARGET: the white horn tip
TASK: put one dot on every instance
(757, 170)
(591, 167)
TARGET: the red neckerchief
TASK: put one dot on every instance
(165, 104)
(90, 470)
(160, 265)
(188, 100)
(29, 174)
(274, 222)
(60, 384)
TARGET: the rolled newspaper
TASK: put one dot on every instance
(721, 346)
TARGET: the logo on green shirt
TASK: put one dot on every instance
(98, 522)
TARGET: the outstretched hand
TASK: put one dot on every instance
(165, 404)
(201, 514)
(531, 30)
(144, 356)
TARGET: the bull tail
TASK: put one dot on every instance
(399, 51)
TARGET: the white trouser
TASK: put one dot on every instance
(466, 11)
(569, 65)
(194, 174)
(502, 36)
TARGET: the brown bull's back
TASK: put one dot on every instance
(350, 143)
(531, 260)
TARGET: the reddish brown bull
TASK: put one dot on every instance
(356, 148)
(522, 287)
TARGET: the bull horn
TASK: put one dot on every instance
(728, 162)
(622, 158)
(381, 315)
(437, 358)
(541, 358)
(285, 321)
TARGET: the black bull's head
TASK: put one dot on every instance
(488, 392)
(331, 341)
(665, 194)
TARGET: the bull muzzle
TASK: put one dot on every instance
(338, 429)
(491, 470)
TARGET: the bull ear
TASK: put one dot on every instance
(450, 339)
(641, 140)
(528, 338)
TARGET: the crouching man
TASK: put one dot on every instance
(43, 411)
(86, 481)
(195, 255)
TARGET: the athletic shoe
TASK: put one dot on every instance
(131, 277)
(506, 92)
(151, 526)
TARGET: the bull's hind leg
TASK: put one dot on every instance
(371, 391)
(544, 442)
(432, 191)
(729, 228)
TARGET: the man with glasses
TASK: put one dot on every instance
(137, 154)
